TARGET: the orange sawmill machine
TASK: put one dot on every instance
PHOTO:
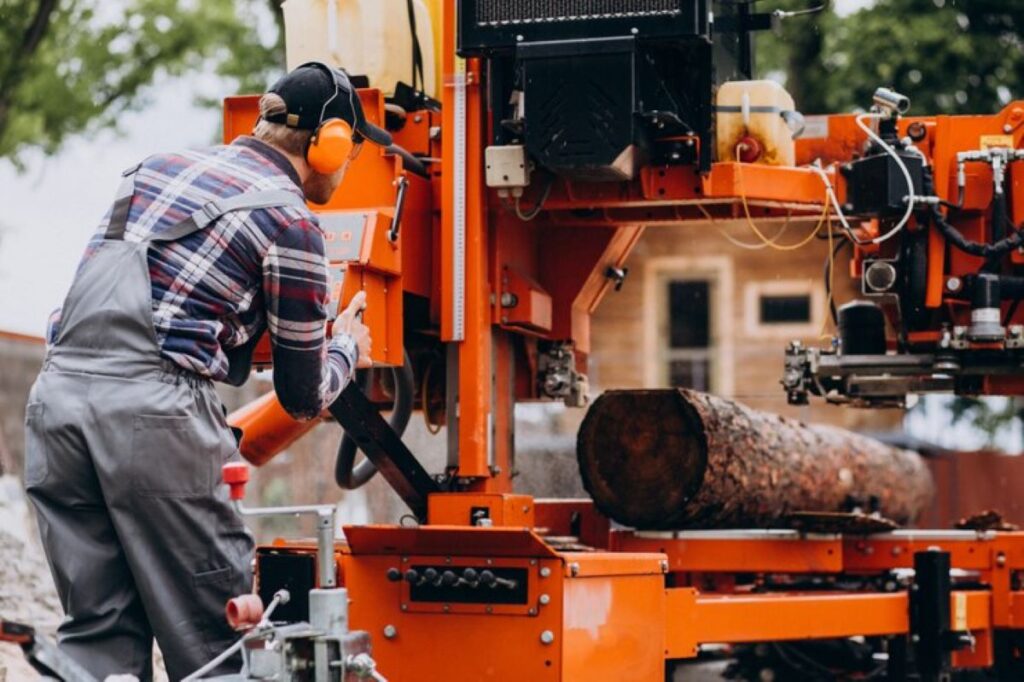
(557, 133)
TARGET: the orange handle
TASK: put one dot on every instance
(267, 429)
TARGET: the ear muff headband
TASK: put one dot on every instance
(332, 141)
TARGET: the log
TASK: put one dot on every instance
(675, 459)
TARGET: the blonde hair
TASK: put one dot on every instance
(291, 140)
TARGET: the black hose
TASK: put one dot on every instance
(957, 239)
(347, 474)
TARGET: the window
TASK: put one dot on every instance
(785, 309)
(688, 357)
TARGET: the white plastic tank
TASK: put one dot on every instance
(759, 116)
(365, 37)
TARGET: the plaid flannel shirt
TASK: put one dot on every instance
(219, 288)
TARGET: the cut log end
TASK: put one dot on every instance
(667, 459)
(653, 456)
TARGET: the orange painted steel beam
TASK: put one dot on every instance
(718, 552)
(968, 551)
(466, 319)
(694, 619)
(764, 183)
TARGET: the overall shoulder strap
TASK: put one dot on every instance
(122, 205)
(213, 210)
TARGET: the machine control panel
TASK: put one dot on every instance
(464, 584)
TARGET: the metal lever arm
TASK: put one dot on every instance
(382, 446)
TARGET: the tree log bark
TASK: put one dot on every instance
(675, 458)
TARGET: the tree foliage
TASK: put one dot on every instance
(74, 66)
(949, 56)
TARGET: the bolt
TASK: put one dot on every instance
(405, 560)
(954, 284)
(418, 119)
(533, 562)
(574, 569)
(489, 609)
(446, 608)
(390, 631)
(1000, 559)
(545, 599)
(915, 638)
(545, 572)
(664, 565)
(547, 637)
(896, 551)
(533, 611)
(1007, 128)
(405, 607)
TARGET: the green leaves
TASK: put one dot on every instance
(74, 66)
(948, 56)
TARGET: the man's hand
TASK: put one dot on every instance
(350, 322)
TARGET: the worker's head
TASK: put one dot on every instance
(314, 113)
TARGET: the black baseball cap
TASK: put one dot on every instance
(309, 87)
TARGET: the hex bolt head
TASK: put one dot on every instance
(545, 599)
(545, 572)
(547, 637)
(390, 631)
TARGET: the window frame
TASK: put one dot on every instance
(755, 291)
(658, 273)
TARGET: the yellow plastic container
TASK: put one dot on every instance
(365, 37)
(751, 113)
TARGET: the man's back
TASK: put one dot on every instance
(219, 288)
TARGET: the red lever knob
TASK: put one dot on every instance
(236, 475)
(244, 612)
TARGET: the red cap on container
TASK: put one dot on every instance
(750, 149)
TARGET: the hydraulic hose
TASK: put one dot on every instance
(347, 474)
(989, 252)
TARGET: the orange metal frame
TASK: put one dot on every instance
(622, 611)
(639, 600)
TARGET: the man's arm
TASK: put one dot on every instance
(309, 372)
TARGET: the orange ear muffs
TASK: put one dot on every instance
(330, 146)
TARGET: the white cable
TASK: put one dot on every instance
(834, 200)
(910, 198)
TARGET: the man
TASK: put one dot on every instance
(125, 436)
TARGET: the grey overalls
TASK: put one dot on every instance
(123, 458)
